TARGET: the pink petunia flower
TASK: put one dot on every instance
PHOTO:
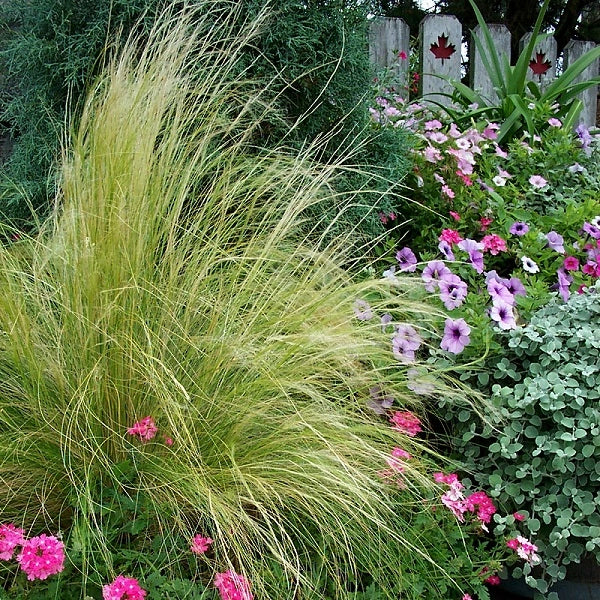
(537, 181)
(518, 516)
(42, 556)
(145, 429)
(10, 538)
(123, 588)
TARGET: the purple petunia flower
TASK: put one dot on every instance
(407, 259)
(499, 292)
(386, 319)
(516, 287)
(591, 230)
(555, 241)
(379, 402)
(474, 249)
(405, 342)
(519, 228)
(453, 291)
(583, 133)
(362, 310)
(433, 272)
(502, 314)
(456, 336)
(446, 249)
(564, 282)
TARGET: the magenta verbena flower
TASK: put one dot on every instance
(200, 544)
(145, 429)
(232, 586)
(493, 244)
(10, 538)
(42, 556)
(406, 422)
(407, 259)
(525, 549)
(482, 503)
(451, 236)
(433, 272)
(453, 291)
(123, 588)
(456, 336)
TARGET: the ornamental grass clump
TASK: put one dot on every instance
(171, 340)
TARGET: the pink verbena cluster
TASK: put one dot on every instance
(10, 538)
(145, 429)
(406, 422)
(123, 588)
(42, 556)
(525, 549)
(200, 544)
(232, 586)
(455, 500)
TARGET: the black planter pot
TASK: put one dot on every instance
(582, 583)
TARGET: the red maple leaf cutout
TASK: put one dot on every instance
(442, 49)
(539, 66)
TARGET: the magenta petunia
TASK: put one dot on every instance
(571, 263)
(456, 336)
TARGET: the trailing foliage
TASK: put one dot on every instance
(544, 459)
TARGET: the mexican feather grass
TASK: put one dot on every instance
(177, 279)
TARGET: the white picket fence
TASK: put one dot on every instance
(440, 54)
